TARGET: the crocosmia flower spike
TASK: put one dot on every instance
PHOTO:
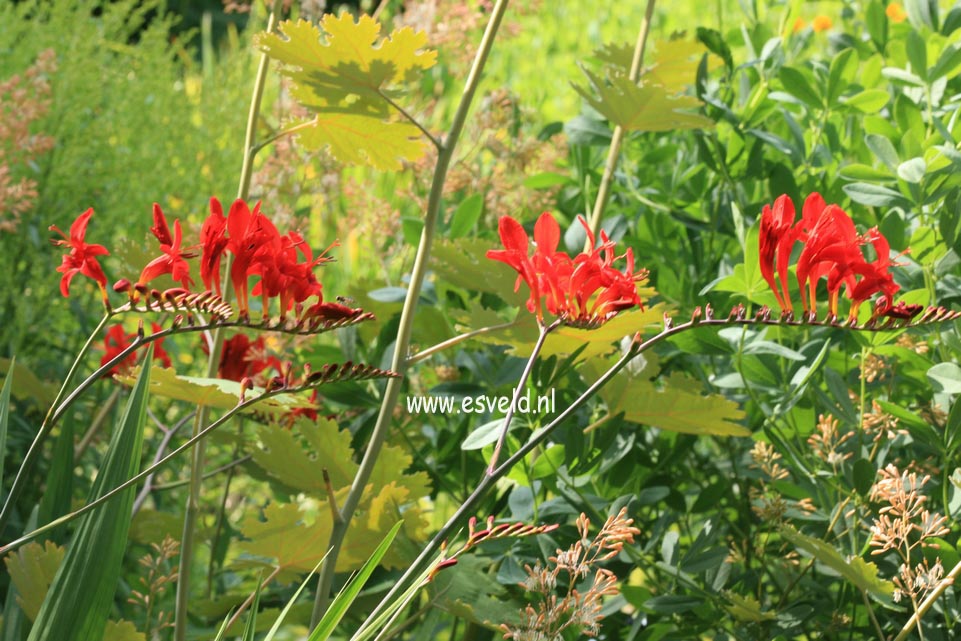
(831, 250)
(583, 291)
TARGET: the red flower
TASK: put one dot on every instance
(283, 276)
(117, 340)
(214, 244)
(242, 358)
(775, 242)
(82, 257)
(831, 249)
(253, 241)
(173, 261)
(585, 291)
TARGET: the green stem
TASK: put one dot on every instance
(399, 362)
(614, 151)
(149, 470)
(460, 338)
(196, 476)
(521, 384)
(49, 421)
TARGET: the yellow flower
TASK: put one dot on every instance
(821, 23)
(895, 12)
(799, 24)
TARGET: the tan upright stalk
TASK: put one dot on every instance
(614, 151)
(400, 361)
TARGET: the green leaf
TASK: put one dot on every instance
(917, 52)
(469, 591)
(747, 609)
(486, 434)
(869, 101)
(464, 263)
(877, 24)
(79, 600)
(359, 140)
(294, 539)
(466, 215)
(26, 385)
(946, 377)
(31, 570)
(122, 631)
(796, 83)
(58, 491)
(677, 405)
(644, 107)
(338, 608)
(345, 75)
(250, 629)
(875, 195)
(844, 67)
(348, 58)
(948, 62)
(857, 171)
(213, 392)
(297, 458)
(5, 415)
(881, 147)
(912, 170)
(860, 573)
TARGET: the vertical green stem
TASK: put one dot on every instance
(614, 151)
(521, 384)
(197, 456)
(30, 457)
(399, 362)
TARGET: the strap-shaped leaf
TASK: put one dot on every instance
(4, 415)
(79, 600)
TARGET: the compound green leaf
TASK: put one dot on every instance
(122, 631)
(212, 392)
(747, 608)
(357, 139)
(31, 570)
(297, 457)
(646, 107)
(677, 405)
(859, 572)
(346, 73)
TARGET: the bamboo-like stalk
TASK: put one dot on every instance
(399, 362)
(614, 151)
(198, 455)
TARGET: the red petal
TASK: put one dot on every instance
(512, 234)
(547, 234)
(160, 229)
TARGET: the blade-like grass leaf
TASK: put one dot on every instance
(81, 596)
(343, 600)
(4, 414)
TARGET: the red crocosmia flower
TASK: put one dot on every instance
(293, 281)
(775, 241)
(213, 242)
(173, 261)
(831, 249)
(242, 358)
(82, 257)
(117, 340)
(253, 242)
(585, 291)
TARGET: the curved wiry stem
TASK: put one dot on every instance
(699, 318)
